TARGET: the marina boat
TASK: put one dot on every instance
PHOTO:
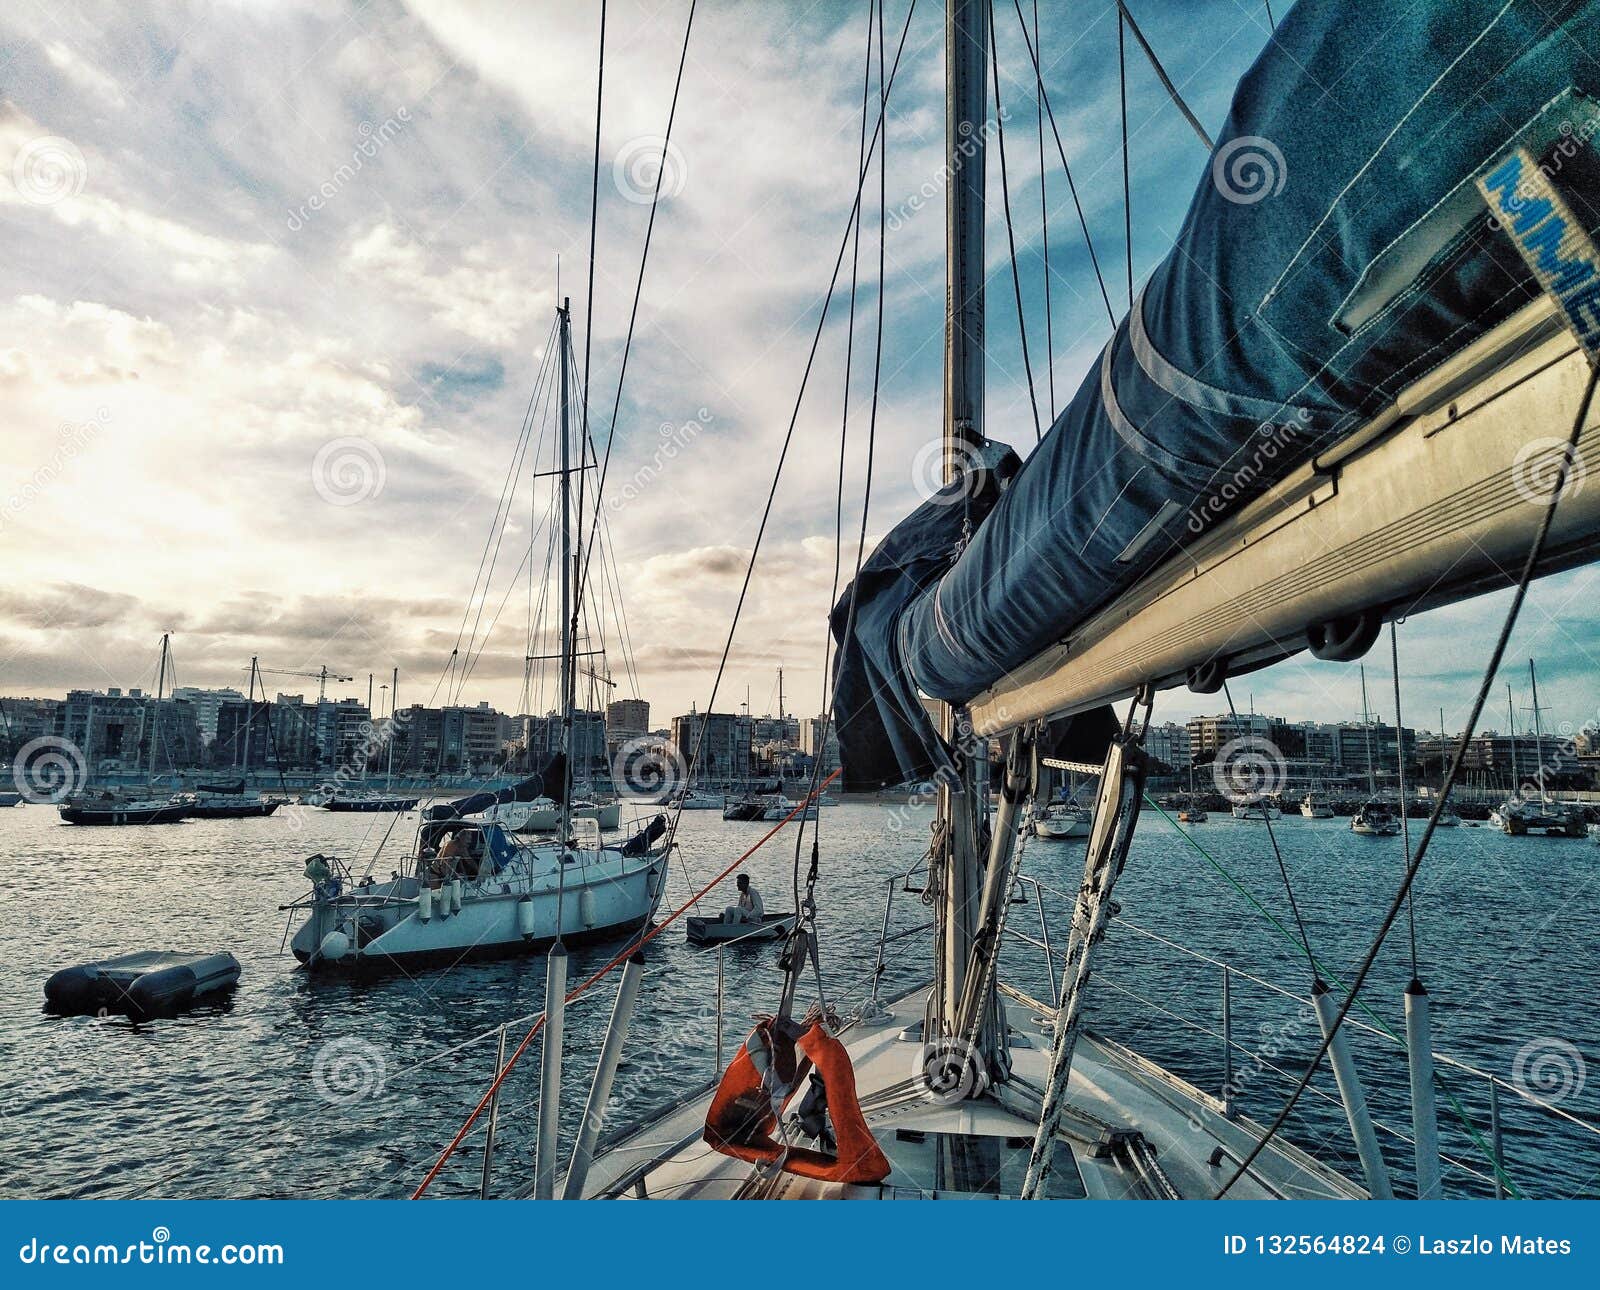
(1314, 808)
(714, 931)
(371, 800)
(1520, 816)
(471, 889)
(1062, 821)
(691, 799)
(9, 798)
(767, 808)
(1025, 598)
(123, 806)
(1374, 820)
(1257, 810)
(1594, 834)
(473, 892)
(1192, 815)
(213, 805)
(111, 807)
(1448, 819)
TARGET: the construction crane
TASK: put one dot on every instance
(321, 676)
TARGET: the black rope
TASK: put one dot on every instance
(1161, 72)
(1415, 864)
(844, 436)
(1072, 186)
(794, 416)
(1011, 237)
(1400, 758)
(1044, 233)
(1283, 869)
(1271, 21)
(1127, 201)
(638, 290)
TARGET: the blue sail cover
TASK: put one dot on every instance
(1335, 251)
(550, 782)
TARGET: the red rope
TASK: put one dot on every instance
(583, 988)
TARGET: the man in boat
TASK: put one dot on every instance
(749, 909)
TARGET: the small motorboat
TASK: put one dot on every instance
(1375, 820)
(1257, 809)
(149, 983)
(1314, 808)
(1192, 815)
(1063, 821)
(713, 931)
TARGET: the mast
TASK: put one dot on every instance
(394, 688)
(568, 645)
(161, 686)
(1516, 761)
(960, 803)
(1538, 730)
(1366, 729)
(249, 713)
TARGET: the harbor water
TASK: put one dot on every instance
(306, 1085)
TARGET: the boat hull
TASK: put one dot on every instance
(86, 815)
(233, 811)
(614, 897)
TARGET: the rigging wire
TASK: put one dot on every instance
(638, 290)
(1072, 185)
(1283, 869)
(1400, 758)
(1011, 237)
(1161, 72)
(794, 416)
(1414, 864)
(1127, 201)
(844, 427)
(1044, 230)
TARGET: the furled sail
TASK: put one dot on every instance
(549, 782)
(1336, 249)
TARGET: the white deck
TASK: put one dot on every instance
(1134, 1131)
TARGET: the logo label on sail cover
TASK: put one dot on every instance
(1558, 250)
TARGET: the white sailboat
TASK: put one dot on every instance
(1062, 821)
(472, 891)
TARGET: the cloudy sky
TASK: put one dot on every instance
(280, 281)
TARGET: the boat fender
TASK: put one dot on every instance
(425, 903)
(586, 909)
(525, 917)
(743, 1117)
(455, 895)
(335, 945)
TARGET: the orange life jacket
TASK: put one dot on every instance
(741, 1122)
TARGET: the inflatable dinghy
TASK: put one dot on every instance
(149, 983)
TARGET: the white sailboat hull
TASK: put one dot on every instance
(401, 923)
